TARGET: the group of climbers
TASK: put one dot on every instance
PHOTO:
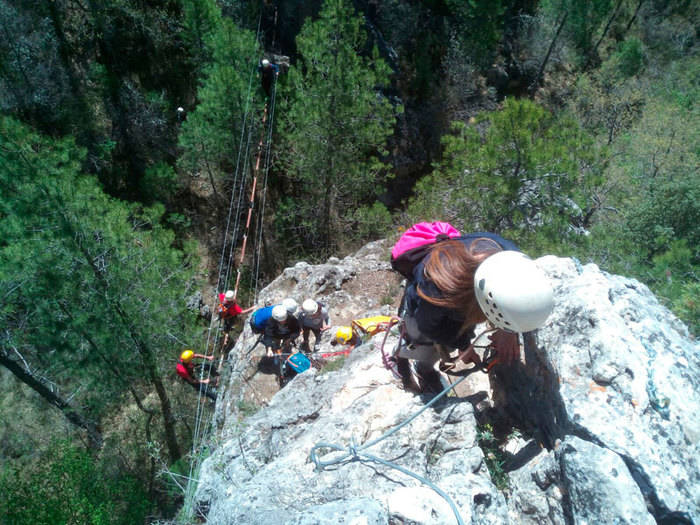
(279, 327)
(228, 311)
(453, 283)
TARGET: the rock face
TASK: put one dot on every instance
(605, 402)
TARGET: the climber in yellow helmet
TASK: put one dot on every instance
(345, 335)
(186, 370)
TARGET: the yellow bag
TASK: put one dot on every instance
(371, 325)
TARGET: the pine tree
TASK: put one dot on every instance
(214, 136)
(530, 175)
(334, 123)
(93, 292)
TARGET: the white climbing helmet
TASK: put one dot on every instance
(309, 306)
(229, 296)
(265, 62)
(291, 305)
(279, 313)
(513, 292)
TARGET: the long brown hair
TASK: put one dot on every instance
(451, 266)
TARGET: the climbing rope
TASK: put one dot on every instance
(261, 215)
(355, 452)
(239, 181)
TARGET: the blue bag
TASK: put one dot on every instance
(298, 363)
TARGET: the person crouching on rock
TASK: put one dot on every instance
(465, 281)
(345, 335)
(281, 331)
(186, 370)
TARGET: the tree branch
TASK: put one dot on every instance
(93, 432)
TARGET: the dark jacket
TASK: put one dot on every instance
(428, 323)
(276, 330)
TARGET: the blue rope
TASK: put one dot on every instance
(356, 453)
(657, 402)
(577, 263)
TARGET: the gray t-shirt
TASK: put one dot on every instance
(316, 320)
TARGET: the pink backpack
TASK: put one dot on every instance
(415, 243)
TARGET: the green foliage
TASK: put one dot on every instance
(627, 61)
(202, 19)
(246, 408)
(494, 457)
(70, 487)
(657, 163)
(669, 211)
(479, 26)
(50, 78)
(530, 175)
(669, 27)
(92, 288)
(370, 222)
(605, 107)
(159, 183)
(33, 80)
(583, 23)
(631, 57)
(333, 365)
(650, 231)
(210, 138)
(334, 123)
(687, 304)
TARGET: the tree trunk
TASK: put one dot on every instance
(594, 51)
(146, 353)
(28, 378)
(634, 16)
(536, 81)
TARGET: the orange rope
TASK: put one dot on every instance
(251, 202)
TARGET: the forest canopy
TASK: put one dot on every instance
(131, 134)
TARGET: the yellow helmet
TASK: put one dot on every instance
(186, 356)
(343, 335)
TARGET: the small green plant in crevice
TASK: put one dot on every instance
(387, 299)
(493, 455)
(332, 366)
(434, 454)
(246, 408)
(390, 295)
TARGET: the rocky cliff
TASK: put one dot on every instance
(597, 423)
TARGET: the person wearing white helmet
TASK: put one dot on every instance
(281, 331)
(291, 305)
(268, 73)
(228, 311)
(313, 318)
(470, 280)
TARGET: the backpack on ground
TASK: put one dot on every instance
(259, 319)
(297, 363)
(415, 243)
